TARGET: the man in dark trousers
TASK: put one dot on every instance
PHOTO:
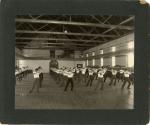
(86, 75)
(69, 80)
(113, 78)
(100, 79)
(126, 79)
(40, 76)
(91, 78)
(36, 81)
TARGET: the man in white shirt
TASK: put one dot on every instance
(121, 74)
(86, 74)
(63, 78)
(100, 80)
(91, 78)
(78, 75)
(69, 80)
(17, 74)
(20, 76)
(83, 77)
(113, 78)
(36, 81)
(126, 79)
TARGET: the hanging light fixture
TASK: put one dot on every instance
(65, 31)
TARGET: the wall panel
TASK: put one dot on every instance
(121, 60)
(107, 61)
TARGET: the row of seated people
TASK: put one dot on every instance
(87, 75)
(22, 72)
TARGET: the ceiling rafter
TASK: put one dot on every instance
(98, 20)
(84, 31)
(56, 47)
(75, 44)
(53, 39)
(30, 25)
(45, 25)
(123, 22)
(63, 33)
(115, 31)
(88, 33)
(106, 20)
(74, 23)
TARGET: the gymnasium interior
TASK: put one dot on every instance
(73, 43)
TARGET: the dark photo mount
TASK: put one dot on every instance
(8, 11)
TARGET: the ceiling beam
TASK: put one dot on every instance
(74, 23)
(69, 44)
(38, 16)
(56, 48)
(62, 33)
(115, 31)
(56, 39)
(30, 25)
(45, 25)
(123, 22)
(107, 19)
(97, 19)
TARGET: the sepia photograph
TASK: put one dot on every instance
(74, 62)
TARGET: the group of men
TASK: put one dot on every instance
(83, 76)
(69, 76)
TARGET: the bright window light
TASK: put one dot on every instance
(113, 61)
(87, 62)
(93, 53)
(87, 55)
(131, 45)
(21, 63)
(113, 49)
(93, 62)
(102, 61)
(101, 51)
(130, 59)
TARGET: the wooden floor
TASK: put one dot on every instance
(52, 96)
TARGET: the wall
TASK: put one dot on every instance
(120, 44)
(121, 60)
(77, 54)
(32, 64)
(107, 61)
(36, 53)
(97, 62)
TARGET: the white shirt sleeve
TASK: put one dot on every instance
(70, 75)
(35, 74)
